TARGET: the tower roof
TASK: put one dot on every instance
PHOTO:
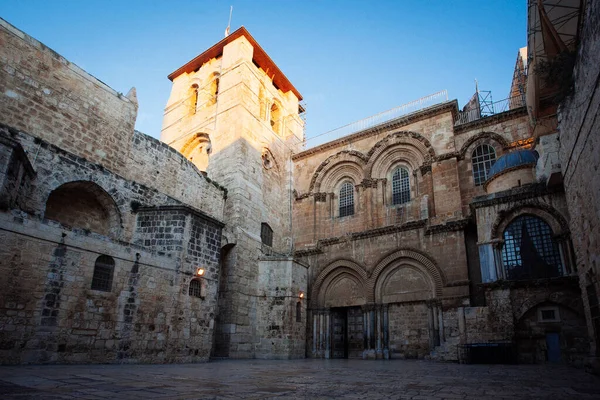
(260, 58)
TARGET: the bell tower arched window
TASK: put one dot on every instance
(346, 199)
(482, 159)
(530, 251)
(400, 186)
(275, 118)
(194, 98)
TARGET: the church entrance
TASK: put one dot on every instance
(347, 339)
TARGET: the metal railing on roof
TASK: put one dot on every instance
(378, 119)
(490, 109)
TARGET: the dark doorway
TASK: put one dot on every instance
(553, 346)
(347, 332)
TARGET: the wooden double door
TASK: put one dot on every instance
(347, 328)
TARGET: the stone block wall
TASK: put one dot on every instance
(55, 100)
(49, 313)
(579, 127)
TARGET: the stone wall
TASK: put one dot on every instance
(579, 127)
(55, 100)
(48, 309)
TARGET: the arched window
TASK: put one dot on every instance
(194, 100)
(275, 118)
(104, 269)
(195, 288)
(400, 186)
(529, 251)
(482, 159)
(346, 199)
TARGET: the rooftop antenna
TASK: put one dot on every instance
(229, 23)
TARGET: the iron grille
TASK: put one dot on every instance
(483, 158)
(266, 234)
(103, 273)
(400, 186)
(195, 288)
(529, 252)
(346, 200)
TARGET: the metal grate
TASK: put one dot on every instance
(346, 200)
(529, 252)
(103, 273)
(400, 186)
(266, 234)
(195, 288)
(483, 158)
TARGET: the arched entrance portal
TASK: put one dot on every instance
(357, 315)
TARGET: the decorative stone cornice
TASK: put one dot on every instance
(451, 106)
(450, 226)
(516, 194)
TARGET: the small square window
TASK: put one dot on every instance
(548, 314)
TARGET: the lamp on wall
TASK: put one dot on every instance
(199, 271)
(301, 295)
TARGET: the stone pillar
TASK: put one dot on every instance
(369, 315)
(379, 323)
(431, 325)
(441, 325)
(436, 326)
(386, 336)
(321, 335)
(327, 334)
(365, 332)
(315, 324)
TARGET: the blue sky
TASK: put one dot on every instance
(349, 59)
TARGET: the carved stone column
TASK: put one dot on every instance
(379, 325)
(328, 334)
(386, 335)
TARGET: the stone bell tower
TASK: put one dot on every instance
(236, 116)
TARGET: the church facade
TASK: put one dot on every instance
(429, 235)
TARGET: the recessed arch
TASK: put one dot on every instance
(332, 169)
(410, 258)
(411, 146)
(197, 149)
(482, 138)
(547, 213)
(85, 205)
(335, 271)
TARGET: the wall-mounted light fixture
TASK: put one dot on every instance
(301, 295)
(199, 271)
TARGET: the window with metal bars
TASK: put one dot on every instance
(195, 288)
(266, 234)
(482, 159)
(104, 269)
(346, 199)
(529, 251)
(400, 186)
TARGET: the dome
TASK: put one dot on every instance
(511, 160)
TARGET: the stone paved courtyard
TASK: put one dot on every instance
(299, 379)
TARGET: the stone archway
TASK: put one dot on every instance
(84, 205)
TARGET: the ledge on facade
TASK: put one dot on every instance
(182, 208)
(491, 120)
(450, 226)
(396, 123)
(571, 281)
(519, 193)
